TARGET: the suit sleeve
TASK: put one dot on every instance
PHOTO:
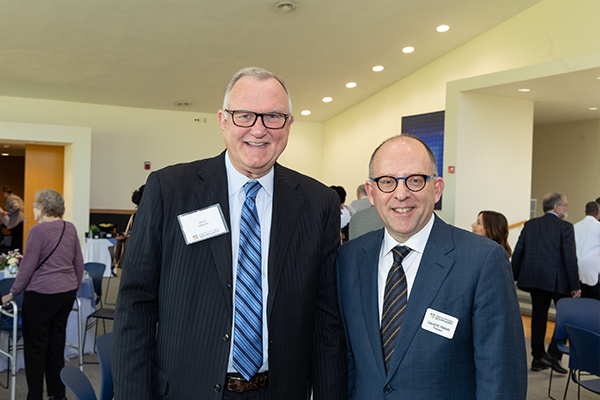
(350, 356)
(136, 315)
(517, 257)
(330, 364)
(498, 339)
(570, 256)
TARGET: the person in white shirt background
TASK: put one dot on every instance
(587, 244)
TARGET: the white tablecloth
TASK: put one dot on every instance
(96, 250)
(85, 294)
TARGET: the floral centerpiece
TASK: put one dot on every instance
(10, 261)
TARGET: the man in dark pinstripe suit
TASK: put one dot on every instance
(174, 325)
(545, 265)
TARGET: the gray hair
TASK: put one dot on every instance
(551, 200)
(409, 136)
(50, 203)
(361, 190)
(260, 74)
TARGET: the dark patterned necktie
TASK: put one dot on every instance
(394, 304)
(248, 346)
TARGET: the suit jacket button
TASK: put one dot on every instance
(387, 389)
(226, 337)
(217, 388)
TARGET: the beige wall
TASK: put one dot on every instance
(493, 168)
(566, 159)
(552, 32)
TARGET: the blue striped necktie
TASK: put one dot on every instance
(248, 346)
(394, 304)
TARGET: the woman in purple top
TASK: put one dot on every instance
(50, 274)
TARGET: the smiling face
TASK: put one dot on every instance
(404, 213)
(253, 151)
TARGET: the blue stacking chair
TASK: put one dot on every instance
(580, 312)
(104, 349)
(96, 271)
(77, 383)
(585, 357)
(7, 323)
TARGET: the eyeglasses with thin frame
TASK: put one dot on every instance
(247, 119)
(414, 183)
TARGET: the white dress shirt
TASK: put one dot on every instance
(587, 244)
(410, 264)
(264, 205)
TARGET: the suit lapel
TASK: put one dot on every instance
(433, 270)
(368, 267)
(212, 189)
(287, 204)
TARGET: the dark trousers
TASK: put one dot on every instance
(17, 237)
(590, 292)
(540, 302)
(44, 335)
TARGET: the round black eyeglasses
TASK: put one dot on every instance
(247, 119)
(414, 183)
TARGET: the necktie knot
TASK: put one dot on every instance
(400, 253)
(252, 188)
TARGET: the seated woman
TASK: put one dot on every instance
(493, 225)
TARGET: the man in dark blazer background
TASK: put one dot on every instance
(460, 334)
(177, 310)
(545, 265)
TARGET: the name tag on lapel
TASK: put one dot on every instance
(200, 225)
(439, 323)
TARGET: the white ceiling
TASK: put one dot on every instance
(151, 54)
(560, 98)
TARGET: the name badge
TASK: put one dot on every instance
(202, 224)
(439, 323)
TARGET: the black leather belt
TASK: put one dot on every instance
(239, 384)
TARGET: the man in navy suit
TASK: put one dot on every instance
(545, 265)
(456, 326)
(228, 288)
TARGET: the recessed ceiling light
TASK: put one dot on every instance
(285, 6)
(378, 68)
(351, 85)
(524, 90)
(593, 108)
(442, 28)
(327, 99)
(4, 154)
(408, 49)
(182, 103)
(305, 112)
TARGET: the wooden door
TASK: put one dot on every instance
(44, 169)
